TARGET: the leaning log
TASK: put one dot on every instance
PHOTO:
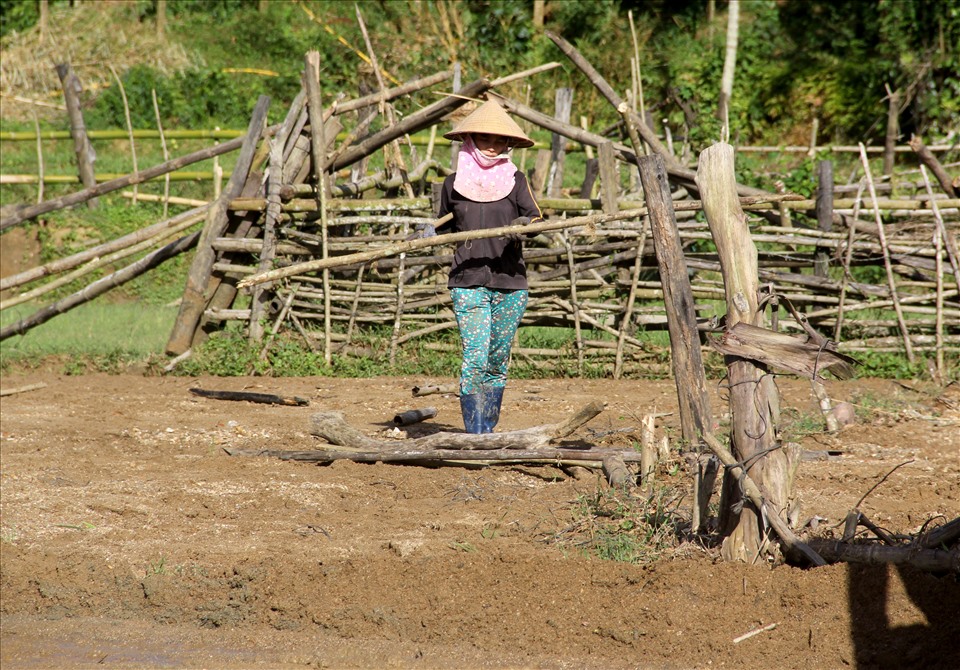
(195, 294)
(426, 117)
(928, 159)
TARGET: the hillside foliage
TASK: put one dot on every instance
(798, 60)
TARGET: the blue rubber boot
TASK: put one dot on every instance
(471, 407)
(491, 408)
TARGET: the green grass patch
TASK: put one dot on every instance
(620, 524)
(97, 336)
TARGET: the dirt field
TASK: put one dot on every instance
(131, 539)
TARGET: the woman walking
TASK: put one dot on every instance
(488, 278)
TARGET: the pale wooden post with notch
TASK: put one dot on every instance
(754, 399)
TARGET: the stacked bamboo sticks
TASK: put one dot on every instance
(290, 206)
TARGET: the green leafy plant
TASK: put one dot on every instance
(621, 524)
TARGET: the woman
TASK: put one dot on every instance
(488, 279)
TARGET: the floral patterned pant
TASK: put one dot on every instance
(488, 319)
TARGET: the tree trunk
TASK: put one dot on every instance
(754, 399)
(729, 65)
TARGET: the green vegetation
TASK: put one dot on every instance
(98, 336)
(624, 525)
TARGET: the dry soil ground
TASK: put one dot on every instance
(131, 539)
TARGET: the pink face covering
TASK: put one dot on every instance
(481, 178)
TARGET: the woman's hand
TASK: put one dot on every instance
(426, 231)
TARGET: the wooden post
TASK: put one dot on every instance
(311, 75)
(678, 299)
(609, 178)
(81, 143)
(754, 399)
(195, 292)
(261, 296)
(821, 260)
(562, 106)
(538, 180)
(887, 262)
(161, 19)
(890, 141)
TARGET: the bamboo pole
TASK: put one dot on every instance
(318, 145)
(70, 262)
(21, 215)
(578, 333)
(100, 262)
(848, 257)
(166, 155)
(938, 246)
(631, 297)
(36, 124)
(886, 259)
(126, 114)
(447, 238)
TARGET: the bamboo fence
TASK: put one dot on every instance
(328, 257)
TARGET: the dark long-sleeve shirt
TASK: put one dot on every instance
(493, 262)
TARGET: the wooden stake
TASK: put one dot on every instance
(938, 247)
(891, 282)
(631, 297)
(81, 144)
(166, 156)
(685, 357)
(311, 74)
(577, 331)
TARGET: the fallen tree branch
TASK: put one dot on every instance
(265, 398)
(332, 427)
(23, 389)
(930, 560)
(419, 391)
(436, 456)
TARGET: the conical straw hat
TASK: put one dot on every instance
(492, 119)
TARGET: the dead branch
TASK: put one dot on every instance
(930, 560)
(265, 398)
